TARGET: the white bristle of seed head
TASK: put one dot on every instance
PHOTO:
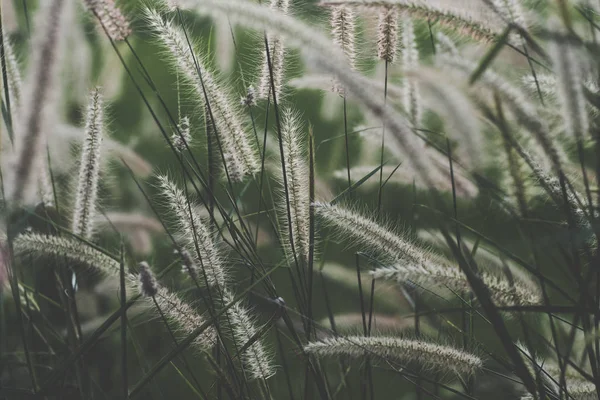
(84, 211)
(368, 234)
(343, 32)
(73, 250)
(434, 273)
(445, 44)
(239, 155)
(111, 17)
(298, 189)
(412, 101)
(393, 349)
(275, 71)
(258, 361)
(387, 34)
(195, 236)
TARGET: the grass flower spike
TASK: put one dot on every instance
(257, 360)
(410, 60)
(343, 31)
(277, 58)
(89, 168)
(177, 311)
(195, 236)
(296, 169)
(239, 156)
(46, 245)
(368, 234)
(111, 17)
(472, 19)
(396, 350)
(387, 34)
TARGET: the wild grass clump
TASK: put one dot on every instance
(171, 228)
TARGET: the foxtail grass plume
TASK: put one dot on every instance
(89, 168)
(240, 157)
(72, 249)
(39, 92)
(277, 58)
(330, 59)
(343, 31)
(567, 66)
(257, 360)
(111, 17)
(297, 176)
(410, 60)
(429, 356)
(387, 34)
(180, 313)
(434, 273)
(183, 137)
(475, 20)
(368, 234)
(195, 236)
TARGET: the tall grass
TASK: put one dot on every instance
(427, 230)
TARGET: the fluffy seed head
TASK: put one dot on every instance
(434, 273)
(297, 175)
(89, 169)
(511, 11)
(277, 58)
(343, 31)
(329, 59)
(72, 249)
(184, 316)
(370, 235)
(516, 101)
(392, 349)
(111, 17)
(195, 236)
(239, 156)
(468, 18)
(410, 60)
(258, 362)
(387, 34)
(148, 285)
